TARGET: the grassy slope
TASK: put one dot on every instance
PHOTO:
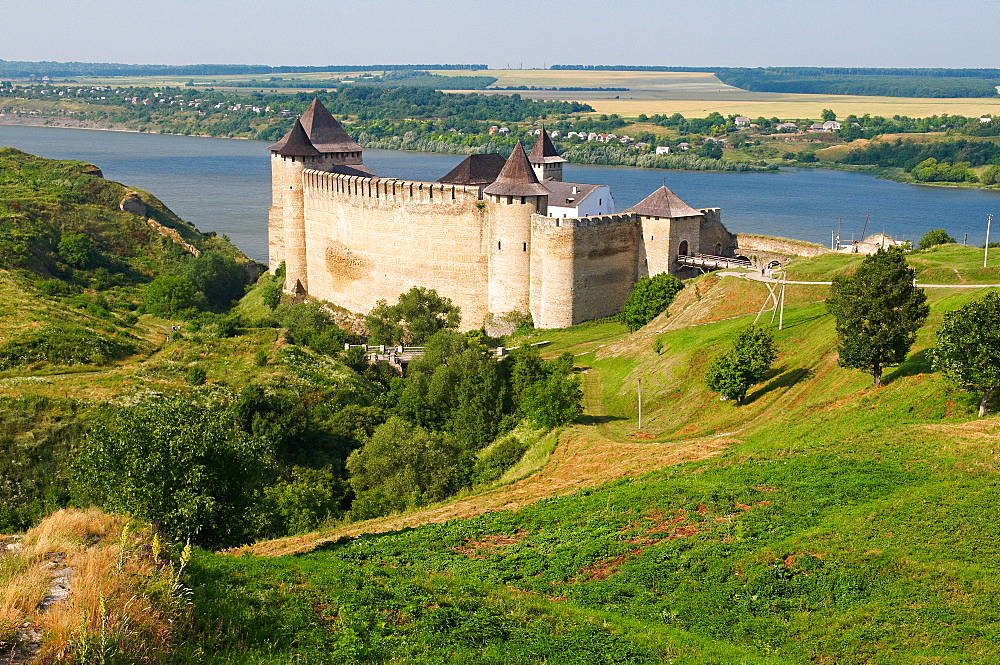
(841, 524)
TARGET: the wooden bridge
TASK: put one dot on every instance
(706, 262)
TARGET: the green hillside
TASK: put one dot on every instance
(822, 521)
(839, 523)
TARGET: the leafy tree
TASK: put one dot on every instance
(745, 365)
(968, 347)
(218, 279)
(828, 115)
(418, 314)
(934, 237)
(185, 465)
(402, 466)
(650, 296)
(77, 250)
(310, 324)
(878, 311)
(554, 399)
(169, 295)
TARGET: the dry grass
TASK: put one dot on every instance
(583, 458)
(88, 585)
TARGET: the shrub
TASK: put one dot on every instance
(77, 250)
(732, 374)
(650, 296)
(196, 376)
(186, 465)
(934, 237)
(169, 295)
(498, 458)
(64, 345)
(414, 319)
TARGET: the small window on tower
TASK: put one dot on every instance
(498, 244)
(524, 246)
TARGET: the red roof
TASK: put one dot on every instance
(664, 203)
(517, 178)
(295, 143)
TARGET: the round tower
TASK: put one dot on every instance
(290, 156)
(512, 198)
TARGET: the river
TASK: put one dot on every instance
(223, 185)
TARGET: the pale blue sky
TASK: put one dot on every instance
(886, 33)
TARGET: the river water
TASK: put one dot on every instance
(223, 185)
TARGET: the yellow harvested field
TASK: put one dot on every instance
(799, 106)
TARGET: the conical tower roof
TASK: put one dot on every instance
(325, 133)
(295, 143)
(664, 203)
(544, 152)
(476, 170)
(517, 178)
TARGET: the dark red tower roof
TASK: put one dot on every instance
(295, 143)
(517, 178)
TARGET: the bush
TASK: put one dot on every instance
(650, 296)
(414, 319)
(77, 250)
(309, 324)
(196, 376)
(498, 458)
(169, 295)
(185, 465)
(732, 374)
(64, 345)
(935, 237)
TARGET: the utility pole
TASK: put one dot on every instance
(986, 249)
(640, 402)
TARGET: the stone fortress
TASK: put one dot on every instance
(496, 236)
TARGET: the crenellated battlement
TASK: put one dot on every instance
(387, 189)
(542, 222)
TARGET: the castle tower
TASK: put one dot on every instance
(329, 137)
(290, 156)
(669, 227)
(316, 141)
(544, 159)
(513, 197)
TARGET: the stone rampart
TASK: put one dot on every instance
(581, 268)
(373, 238)
(762, 249)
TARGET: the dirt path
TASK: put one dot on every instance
(583, 458)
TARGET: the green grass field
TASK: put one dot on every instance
(838, 524)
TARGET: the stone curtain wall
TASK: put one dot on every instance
(369, 239)
(581, 269)
(716, 238)
(764, 248)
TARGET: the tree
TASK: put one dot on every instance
(402, 465)
(745, 365)
(650, 296)
(185, 465)
(419, 313)
(168, 295)
(828, 115)
(878, 311)
(77, 250)
(968, 347)
(934, 237)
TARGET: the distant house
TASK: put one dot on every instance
(786, 126)
(831, 126)
(985, 119)
(574, 199)
(741, 120)
(684, 145)
(662, 150)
